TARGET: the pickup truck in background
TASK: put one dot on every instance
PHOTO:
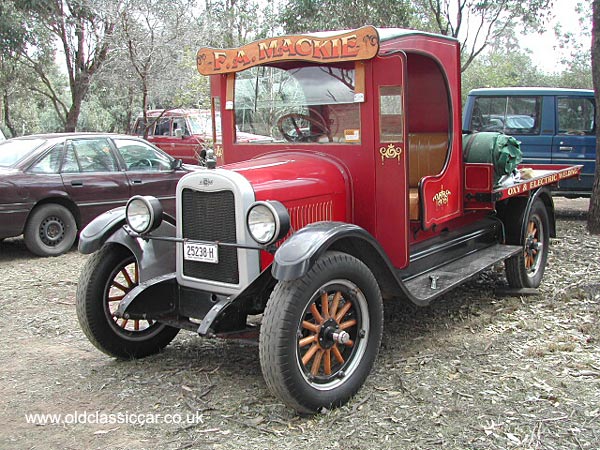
(554, 126)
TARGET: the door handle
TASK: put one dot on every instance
(76, 183)
(565, 149)
(136, 181)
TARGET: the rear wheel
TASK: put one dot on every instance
(50, 231)
(526, 269)
(321, 334)
(107, 277)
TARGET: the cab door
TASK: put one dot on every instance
(575, 139)
(391, 188)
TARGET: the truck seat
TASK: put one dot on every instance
(426, 156)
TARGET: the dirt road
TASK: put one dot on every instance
(475, 370)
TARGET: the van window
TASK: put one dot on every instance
(511, 115)
(163, 127)
(575, 115)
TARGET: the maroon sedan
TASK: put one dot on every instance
(52, 185)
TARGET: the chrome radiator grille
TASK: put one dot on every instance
(210, 216)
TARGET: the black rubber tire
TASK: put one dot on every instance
(282, 326)
(51, 230)
(518, 274)
(95, 319)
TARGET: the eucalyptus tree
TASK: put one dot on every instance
(230, 23)
(18, 84)
(317, 15)
(593, 224)
(479, 23)
(155, 47)
(83, 31)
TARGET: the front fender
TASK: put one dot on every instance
(154, 257)
(95, 234)
(296, 256)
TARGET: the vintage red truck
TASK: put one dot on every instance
(361, 196)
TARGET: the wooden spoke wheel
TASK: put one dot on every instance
(526, 269)
(333, 334)
(321, 333)
(107, 277)
(124, 279)
(533, 245)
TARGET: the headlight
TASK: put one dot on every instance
(268, 222)
(143, 214)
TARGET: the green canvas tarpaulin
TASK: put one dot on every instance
(502, 151)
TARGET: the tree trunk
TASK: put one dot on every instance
(80, 88)
(7, 116)
(593, 223)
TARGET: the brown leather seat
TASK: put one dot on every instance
(426, 156)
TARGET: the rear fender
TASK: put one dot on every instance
(518, 208)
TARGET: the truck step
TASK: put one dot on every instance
(428, 285)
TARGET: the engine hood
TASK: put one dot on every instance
(294, 176)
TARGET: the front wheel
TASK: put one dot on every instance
(321, 334)
(107, 277)
(526, 269)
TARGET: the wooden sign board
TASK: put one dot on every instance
(360, 44)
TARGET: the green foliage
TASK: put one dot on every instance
(146, 58)
(313, 15)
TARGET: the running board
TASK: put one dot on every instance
(428, 285)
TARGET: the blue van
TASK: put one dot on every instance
(554, 126)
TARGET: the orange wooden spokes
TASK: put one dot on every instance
(310, 326)
(335, 303)
(348, 324)
(322, 357)
(317, 363)
(307, 340)
(325, 305)
(343, 311)
(337, 354)
(309, 354)
(316, 314)
(327, 362)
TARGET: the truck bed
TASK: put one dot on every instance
(533, 176)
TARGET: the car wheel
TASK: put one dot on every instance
(50, 231)
(108, 275)
(320, 334)
(526, 269)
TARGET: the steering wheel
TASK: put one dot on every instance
(142, 163)
(296, 127)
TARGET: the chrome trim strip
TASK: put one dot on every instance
(215, 180)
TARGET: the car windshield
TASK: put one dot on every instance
(202, 124)
(298, 104)
(14, 150)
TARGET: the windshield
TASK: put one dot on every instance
(313, 104)
(202, 124)
(12, 151)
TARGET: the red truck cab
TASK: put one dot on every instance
(360, 193)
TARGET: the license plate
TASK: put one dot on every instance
(208, 253)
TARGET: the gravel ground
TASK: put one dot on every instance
(476, 370)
